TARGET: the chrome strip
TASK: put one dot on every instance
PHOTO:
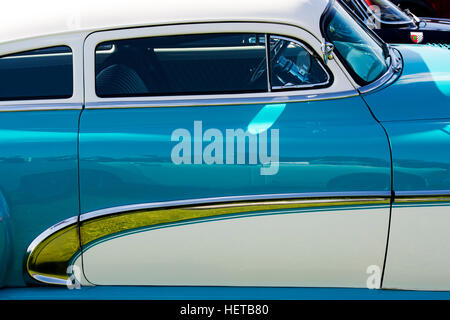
(329, 199)
(44, 235)
(157, 213)
(14, 107)
(304, 86)
(337, 196)
(378, 83)
(423, 200)
(267, 47)
(214, 100)
(434, 196)
(63, 224)
(435, 193)
(49, 280)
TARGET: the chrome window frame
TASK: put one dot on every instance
(311, 53)
(75, 43)
(28, 54)
(339, 89)
(175, 94)
(396, 61)
(391, 74)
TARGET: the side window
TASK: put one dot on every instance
(293, 65)
(180, 65)
(38, 74)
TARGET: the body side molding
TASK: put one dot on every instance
(52, 252)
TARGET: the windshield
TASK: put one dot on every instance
(363, 55)
(385, 11)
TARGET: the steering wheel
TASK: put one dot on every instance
(275, 52)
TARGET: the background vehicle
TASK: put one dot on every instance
(396, 26)
(114, 171)
(426, 8)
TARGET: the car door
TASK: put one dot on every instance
(227, 154)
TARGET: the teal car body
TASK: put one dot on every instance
(359, 163)
(415, 116)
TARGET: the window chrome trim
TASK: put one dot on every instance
(343, 86)
(72, 40)
(392, 69)
(270, 87)
(314, 56)
(41, 105)
(307, 86)
(216, 100)
(379, 82)
(268, 71)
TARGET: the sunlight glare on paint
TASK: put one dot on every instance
(439, 67)
(265, 118)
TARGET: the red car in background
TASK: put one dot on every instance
(426, 8)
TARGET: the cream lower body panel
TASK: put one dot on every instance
(320, 249)
(419, 248)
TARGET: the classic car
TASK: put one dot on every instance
(394, 25)
(426, 8)
(221, 145)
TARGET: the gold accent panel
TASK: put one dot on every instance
(51, 257)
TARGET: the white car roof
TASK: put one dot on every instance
(22, 19)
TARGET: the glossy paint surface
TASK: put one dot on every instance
(423, 90)
(421, 154)
(325, 146)
(38, 170)
(415, 112)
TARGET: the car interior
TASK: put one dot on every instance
(38, 73)
(221, 63)
(155, 66)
